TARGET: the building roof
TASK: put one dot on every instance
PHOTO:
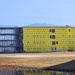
(45, 25)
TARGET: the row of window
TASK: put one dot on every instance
(39, 36)
(53, 36)
(7, 37)
(47, 48)
(50, 30)
(7, 31)
(71, 36)
(37, 42)
(36, 48)
(7, 43)
(71, 42)
(54, 42)
(71, 47)
(7, 49)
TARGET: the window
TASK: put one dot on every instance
(56, 42)
(51, 30)
(52, 36)
(53, 49)
(53, 42)
(69, 30)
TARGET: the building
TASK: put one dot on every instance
(48, 38)
(11, 39)
(37, 39)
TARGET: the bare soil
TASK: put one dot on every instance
(35, 60)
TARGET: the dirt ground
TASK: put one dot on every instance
(37, 60)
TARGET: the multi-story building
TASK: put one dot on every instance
(11, 39)
(48, 38)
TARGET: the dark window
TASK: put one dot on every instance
(56, 42)
(69, 30)
(53, 49)
(53, 42)
(51, 30)
(52, 36)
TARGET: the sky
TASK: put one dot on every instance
(26, 12)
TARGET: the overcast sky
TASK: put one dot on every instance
(25, 12)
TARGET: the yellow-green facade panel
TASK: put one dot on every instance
(48, 39)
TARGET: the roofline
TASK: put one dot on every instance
(9, 27)
(49, 26)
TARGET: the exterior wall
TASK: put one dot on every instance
(71, 38)
(10, 38)
(48, 39)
